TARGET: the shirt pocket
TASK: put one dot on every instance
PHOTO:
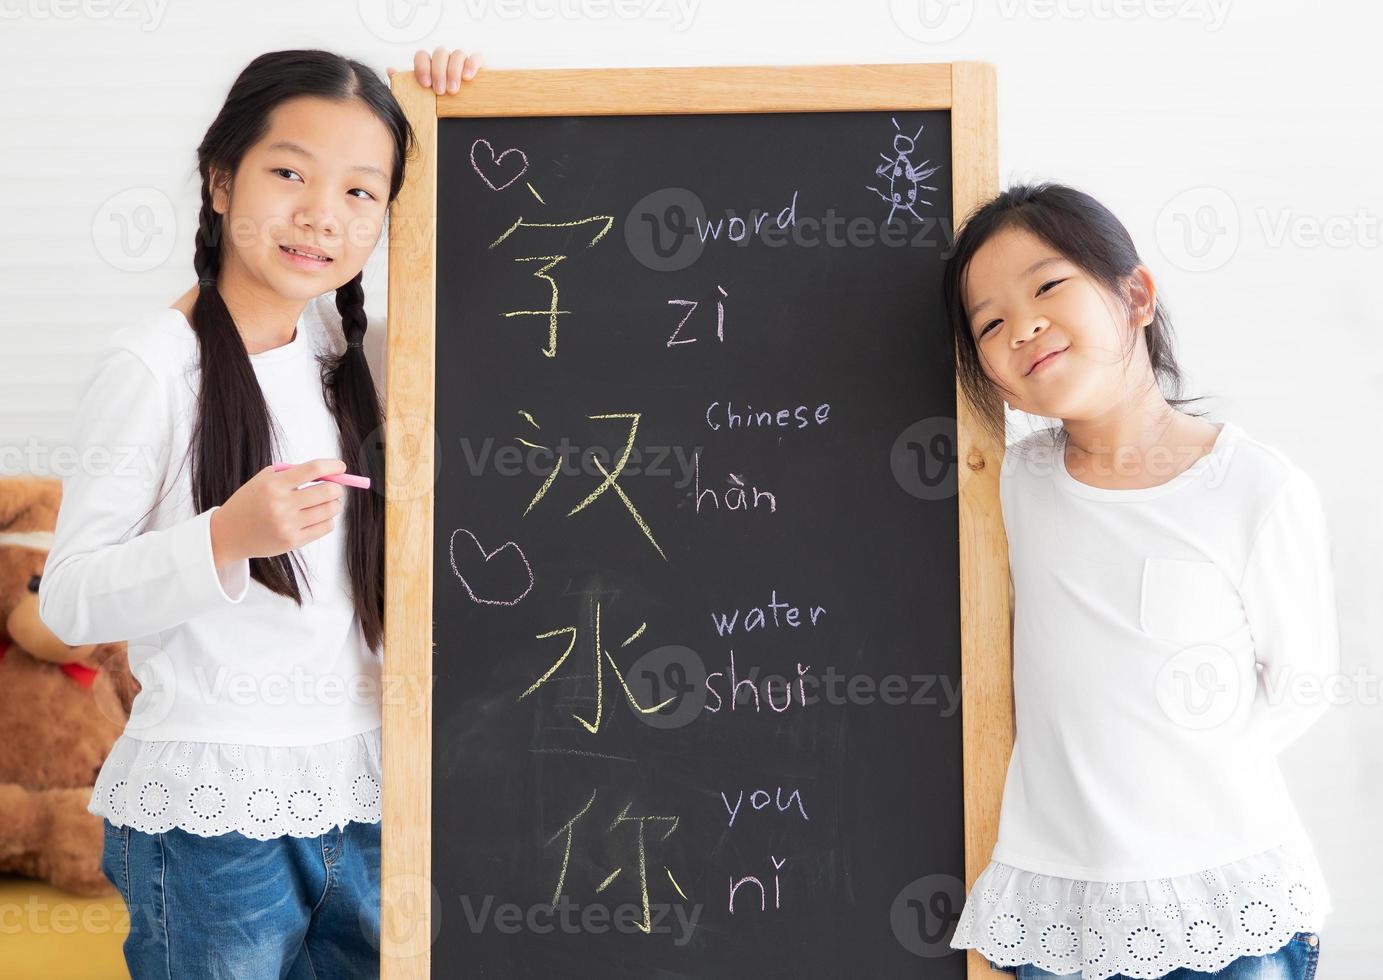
(1187, 600)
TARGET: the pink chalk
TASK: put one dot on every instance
(345, 479)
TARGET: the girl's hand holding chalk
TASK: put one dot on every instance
(270, 516)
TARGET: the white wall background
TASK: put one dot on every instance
(1255, 125)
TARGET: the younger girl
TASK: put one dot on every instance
(1158, 560)
(241, 807)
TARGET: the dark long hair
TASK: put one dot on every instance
(1086, 234)
(231, 438)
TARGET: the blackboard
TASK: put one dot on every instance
(705, 267)
(789, 545)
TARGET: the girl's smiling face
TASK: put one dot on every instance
(1024, 300)
(319, 181)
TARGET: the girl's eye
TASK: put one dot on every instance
(1041, 289)
(368, 195)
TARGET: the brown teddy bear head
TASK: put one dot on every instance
(28, 515)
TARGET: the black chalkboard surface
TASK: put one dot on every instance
(727, 332)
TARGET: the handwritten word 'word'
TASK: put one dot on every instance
(736, 229)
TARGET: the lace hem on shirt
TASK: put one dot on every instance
(1144, 928)
(212, 788)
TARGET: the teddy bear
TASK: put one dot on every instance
(61, 709)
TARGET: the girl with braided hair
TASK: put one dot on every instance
(241, 804)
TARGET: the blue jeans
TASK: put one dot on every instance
(291, 908)
(1295, 961)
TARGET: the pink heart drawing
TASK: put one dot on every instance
(528, 569)
(497, 163)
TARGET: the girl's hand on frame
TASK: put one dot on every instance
(443, 71)
(269, 515)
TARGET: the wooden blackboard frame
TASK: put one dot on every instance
(967, 91)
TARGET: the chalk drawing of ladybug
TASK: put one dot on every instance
(904, 178)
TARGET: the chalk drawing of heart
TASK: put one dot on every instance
(527, 569)
(497, 163)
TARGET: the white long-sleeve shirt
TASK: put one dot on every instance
(229, 670)
(1146, 740)
(1168, 642)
